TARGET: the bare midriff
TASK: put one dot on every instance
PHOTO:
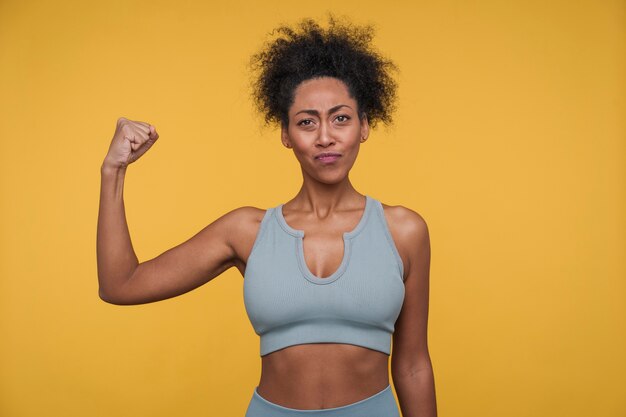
(322, 375)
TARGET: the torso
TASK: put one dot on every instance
(320, 375)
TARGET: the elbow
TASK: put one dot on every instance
(402, 368)
(113, 291)
(104, 296)
(108, 297)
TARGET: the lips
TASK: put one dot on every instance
(328, 155)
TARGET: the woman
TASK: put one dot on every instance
(332, 276)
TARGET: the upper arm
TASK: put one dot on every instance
(410, 345)
(188, 265)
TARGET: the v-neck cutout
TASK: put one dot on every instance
(347, 244)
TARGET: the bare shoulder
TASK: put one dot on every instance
(409, 231)
(405, 221)
(242, 225)
(247, 214)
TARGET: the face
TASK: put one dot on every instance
(324, 119)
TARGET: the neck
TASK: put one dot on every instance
(316, 196)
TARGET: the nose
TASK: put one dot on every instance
(325, 135)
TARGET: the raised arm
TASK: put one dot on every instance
(122, 279)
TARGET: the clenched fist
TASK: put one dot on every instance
(131, 140)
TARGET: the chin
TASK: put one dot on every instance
(329, 179)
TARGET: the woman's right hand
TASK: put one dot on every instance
(130, 140)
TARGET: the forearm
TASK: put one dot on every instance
(416, 393)
(116, 257)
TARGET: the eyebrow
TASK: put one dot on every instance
(316, 113)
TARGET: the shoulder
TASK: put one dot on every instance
(246, 214)
(409, 231)
(242, 225)
(406, 223)
(243, 220)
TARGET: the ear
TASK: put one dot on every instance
(284, 136)
(365, 128)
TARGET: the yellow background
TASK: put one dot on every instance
(509, 140)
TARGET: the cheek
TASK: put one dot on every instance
(302, 140)
(300, 148)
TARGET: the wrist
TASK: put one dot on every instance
(111, 168)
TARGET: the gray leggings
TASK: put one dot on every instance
(381, 404)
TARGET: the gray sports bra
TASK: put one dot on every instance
(357, 304)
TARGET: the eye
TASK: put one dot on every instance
(342, 118)
(305, 122)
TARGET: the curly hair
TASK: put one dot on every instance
(343, 51)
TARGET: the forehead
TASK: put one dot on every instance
(321, 93)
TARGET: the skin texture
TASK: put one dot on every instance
(322, 118)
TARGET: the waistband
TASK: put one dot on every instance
(381, 404)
